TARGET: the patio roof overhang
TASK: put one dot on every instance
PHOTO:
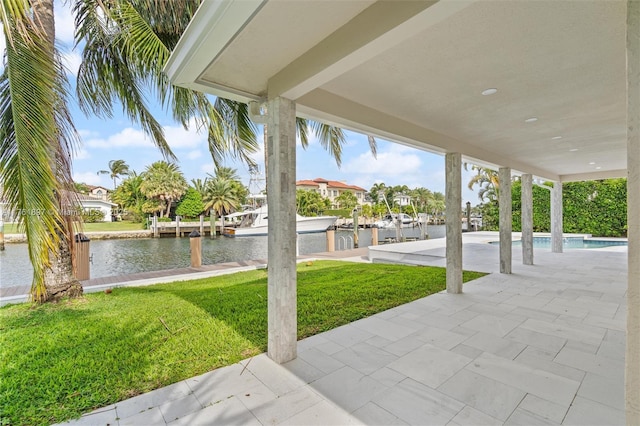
(414, 73)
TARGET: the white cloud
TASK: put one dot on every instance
(72, 61)
(179, 138)
(127, 137)
(65, 25)
(208, 168)
(90, 178)
(389, 163)
(193, 155)
(81, 154)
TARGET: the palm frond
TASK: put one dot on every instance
(331, 138)
(36, 139)
(302, 129)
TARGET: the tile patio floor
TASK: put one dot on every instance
(544, 345)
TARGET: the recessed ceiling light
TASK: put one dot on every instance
(592, 163)
(555, 138)
(531, 120)
(573, 149)
(598, 168)
(488, 92)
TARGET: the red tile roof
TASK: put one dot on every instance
(330, 184)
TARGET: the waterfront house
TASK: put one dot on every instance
(332, 189)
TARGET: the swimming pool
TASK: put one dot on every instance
(570, 243)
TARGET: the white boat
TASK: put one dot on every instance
(255, 222)
(389, 221)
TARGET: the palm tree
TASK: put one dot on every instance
(117, 168)
(375, 190)
(487, 180)
(221, 196)
(126, 45)
(129, 196)
(144, 33)
(165, 183)
(36, 139)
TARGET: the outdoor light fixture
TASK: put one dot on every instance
(488, 92)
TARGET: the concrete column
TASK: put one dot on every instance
(632, 358)
(281, 192)
(453, 222)
(527, 219)
(504, 177)
(556, 217)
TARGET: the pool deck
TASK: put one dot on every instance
(543, 345)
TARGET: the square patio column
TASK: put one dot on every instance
(453, 221)
(556, 218)
(632, 357)
(526, 181)
(504, 201)
(281, 192)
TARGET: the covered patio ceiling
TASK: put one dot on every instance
(414, 72)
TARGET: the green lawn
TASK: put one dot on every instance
(61, 360)
(11, 228)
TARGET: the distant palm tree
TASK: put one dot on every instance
(128, 194)
(117, 168)
(164, 182)
(221, 196)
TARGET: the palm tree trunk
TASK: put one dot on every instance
(59, 277)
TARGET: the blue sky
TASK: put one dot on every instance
(115, 139)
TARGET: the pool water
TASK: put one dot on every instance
(571, 243)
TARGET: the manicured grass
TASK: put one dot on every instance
(11, 228)
(61, 360)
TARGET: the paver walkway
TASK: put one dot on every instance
(544, 345)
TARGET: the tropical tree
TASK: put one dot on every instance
(367, 210)
(375, 192)
(36, 139)
(346, 200)
(117, 168)
(191, 205)
(129, 196)
(311, 203)
(126, 45)
(221, 196)
(422, 197)
(164, 183)
(487, 181)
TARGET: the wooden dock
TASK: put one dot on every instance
(181, 228)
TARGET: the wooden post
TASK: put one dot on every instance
(195, 242)
(212, 223)
(156, 231)
(177, 226)
(331, 240)
(355, 228)
(374, 236)
(201, 224)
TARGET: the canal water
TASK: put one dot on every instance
(126, 256)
